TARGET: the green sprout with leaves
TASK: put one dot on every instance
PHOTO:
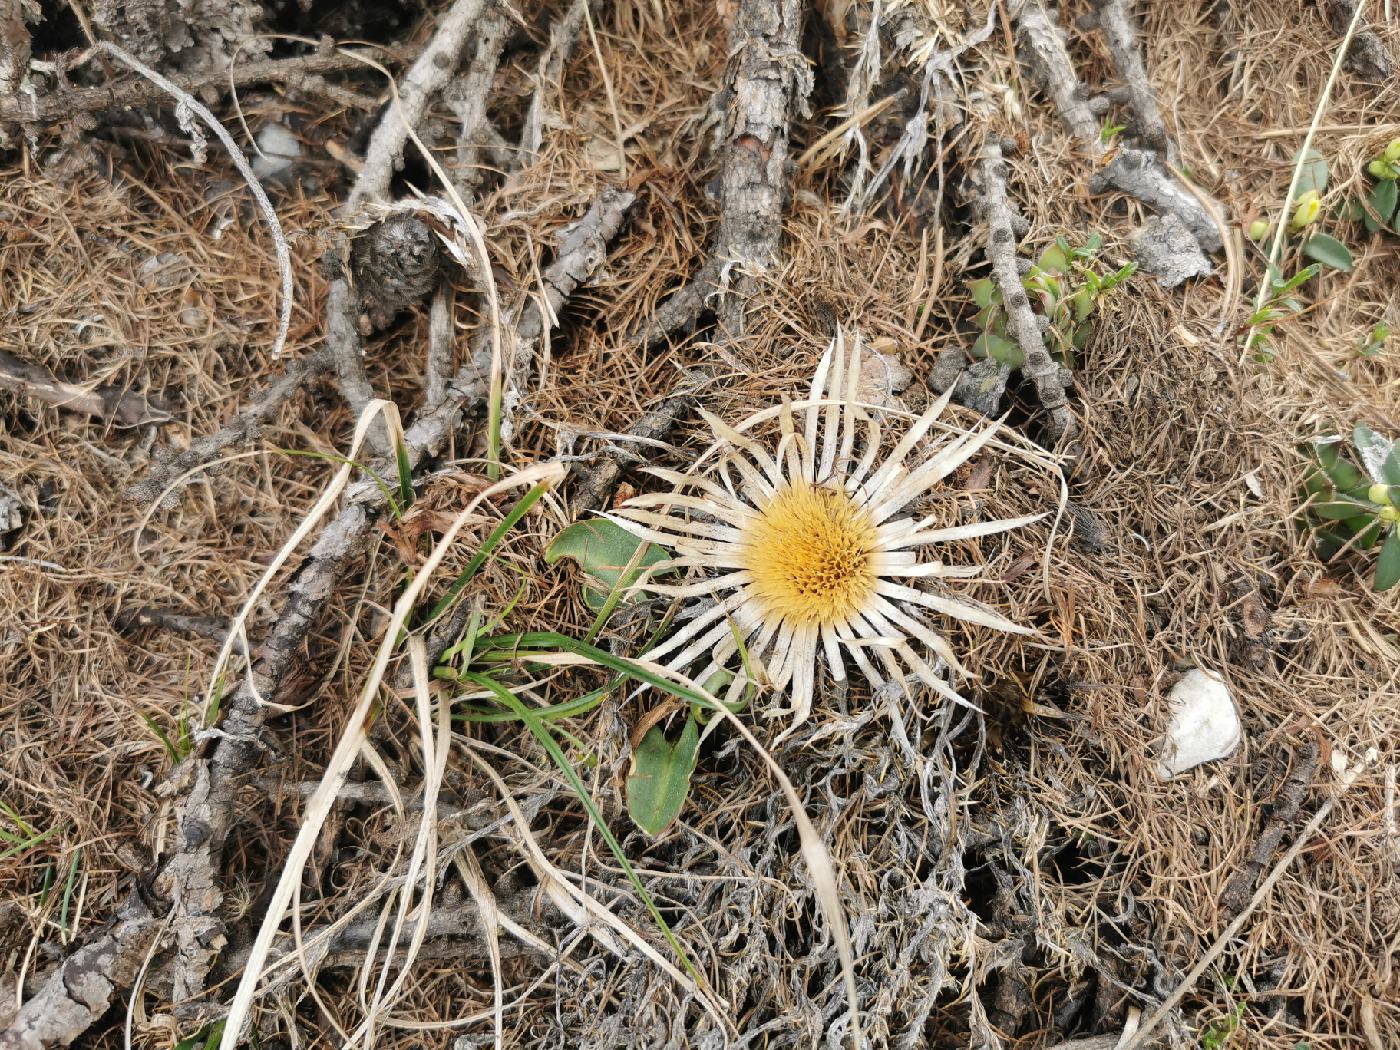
(1373, 343)
(1066, 285)
(1279, 306)
(1356, 508)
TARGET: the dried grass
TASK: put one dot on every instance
(1189, 468)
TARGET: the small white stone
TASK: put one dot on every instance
(278, 147)
(1204, 724)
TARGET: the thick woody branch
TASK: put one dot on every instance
(1043, 43)
(64, 102)
(1119, 33)
(768, 78)
(765, 81)
(432, 70)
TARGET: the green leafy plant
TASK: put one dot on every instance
(1380, 210)
(206, 1039)
(1356, 508)
(1066, 286)
(1280, 305)
(1218, 1033)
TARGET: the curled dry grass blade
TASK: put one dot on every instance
(236, 633)
(337, 769)
(535, 647)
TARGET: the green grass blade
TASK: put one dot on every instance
(31, 842)
(509, 522)
(547, 741)
(342, 461)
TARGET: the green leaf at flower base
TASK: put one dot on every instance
(1328, 250)
(1388, 564)
(659, 781)
(1383, 198)
(1337, 510)
(1314, 174)
(603, 550)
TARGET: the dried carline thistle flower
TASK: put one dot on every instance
(803, 550)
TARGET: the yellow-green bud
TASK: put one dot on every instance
(1391, 154)
(1379, 494)
(1379, 169)
(1309, 207)
(1258, 229)
(1390, 514)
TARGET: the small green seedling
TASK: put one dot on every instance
(1065, 285)
(1217, 1034)
(1356, 508)
(1280, 305)
(1375, 341)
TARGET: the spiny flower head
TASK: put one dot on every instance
(802, 549)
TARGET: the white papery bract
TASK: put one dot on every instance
(802, 548)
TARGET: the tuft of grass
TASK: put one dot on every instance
(25, 836)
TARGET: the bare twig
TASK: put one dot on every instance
(242, 427)
(1140, 174)
(1283, 811)
(1021, 322)
(1044, 45)
(383, 156)
(563, 35)
(86, 985)
(453, 933)
(466, 96)
(1136, 172)
(765, 81)
(681, 311)
(14, 48)
(214, 628)
(123, 408)
(441, 344)
(1227, 937)
(346, 348)
(433, 68)
(63, 103)
(583, 246)
(593, 488)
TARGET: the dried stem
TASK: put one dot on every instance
(120, 407)
(1021, 321)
